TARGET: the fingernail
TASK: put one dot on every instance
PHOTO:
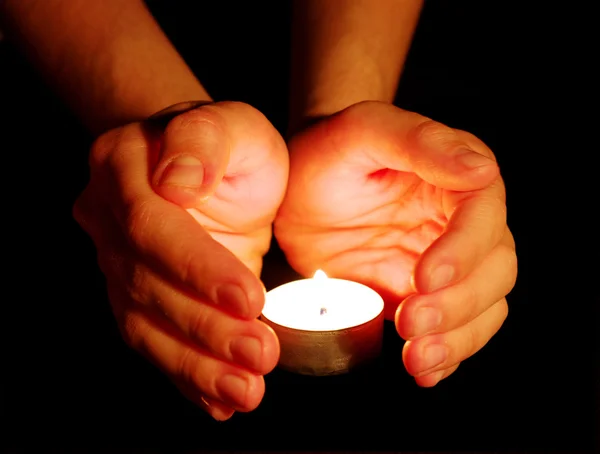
(472, 160)
(218, 413)
(232, 389)
(247, 351)
(426, 320)
(233, 299)
(436, 377)
(221, 415)
(434, 355)
(441, 277)
(185, 171)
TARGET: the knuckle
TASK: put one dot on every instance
(503, 310)
(137, 284)
(472, 344)
(430, 131)
(512, 272)
(103, 146)
(508, 239)
(510, 268)
(478, 334)
(472, 304)
(98, 153)
(200, 325)
(188, 264)
(123, 142)
(133, 330)
(188, 368)
(205, 117)
(472, 138)
(138, 219)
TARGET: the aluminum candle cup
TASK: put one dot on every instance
(325, 326)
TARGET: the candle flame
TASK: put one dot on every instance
(320, 274)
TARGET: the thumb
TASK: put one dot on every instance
(406, 141)
(449, 158)
(194, 154)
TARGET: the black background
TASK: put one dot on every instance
(69, 383)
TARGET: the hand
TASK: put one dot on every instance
(183, 283)
(414, 209)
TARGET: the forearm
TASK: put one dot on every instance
(109, 59)
(347, 51)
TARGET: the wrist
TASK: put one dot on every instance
(129, 99)
(326, 101)
(330, 84)
(347, 51)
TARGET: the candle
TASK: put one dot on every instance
(325, 326)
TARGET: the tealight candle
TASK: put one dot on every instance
(325, 326)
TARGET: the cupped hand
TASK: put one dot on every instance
(181, 215)
(414, 209)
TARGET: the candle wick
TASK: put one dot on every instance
(323, 311)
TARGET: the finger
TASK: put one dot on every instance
(203, 145)
(248, 343)
(216, 409)
(251, 343)
(475, 226)
(392, 138)
(233, 386)
(432, 379)
(428, 354)
(449, 158)
(169, 238)
(456, 305)
(193, 157)
(98, 221)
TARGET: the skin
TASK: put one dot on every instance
(111, 55)
(191, 308)
(382, 193)
(345, 52)
(163, 278)
(206, 168)
(415, 210)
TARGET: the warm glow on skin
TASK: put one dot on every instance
(414, 210)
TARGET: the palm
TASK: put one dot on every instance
(354, 218)
(241, 210)
(239, 215)
(405, 205)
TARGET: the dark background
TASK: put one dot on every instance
(69, 383)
